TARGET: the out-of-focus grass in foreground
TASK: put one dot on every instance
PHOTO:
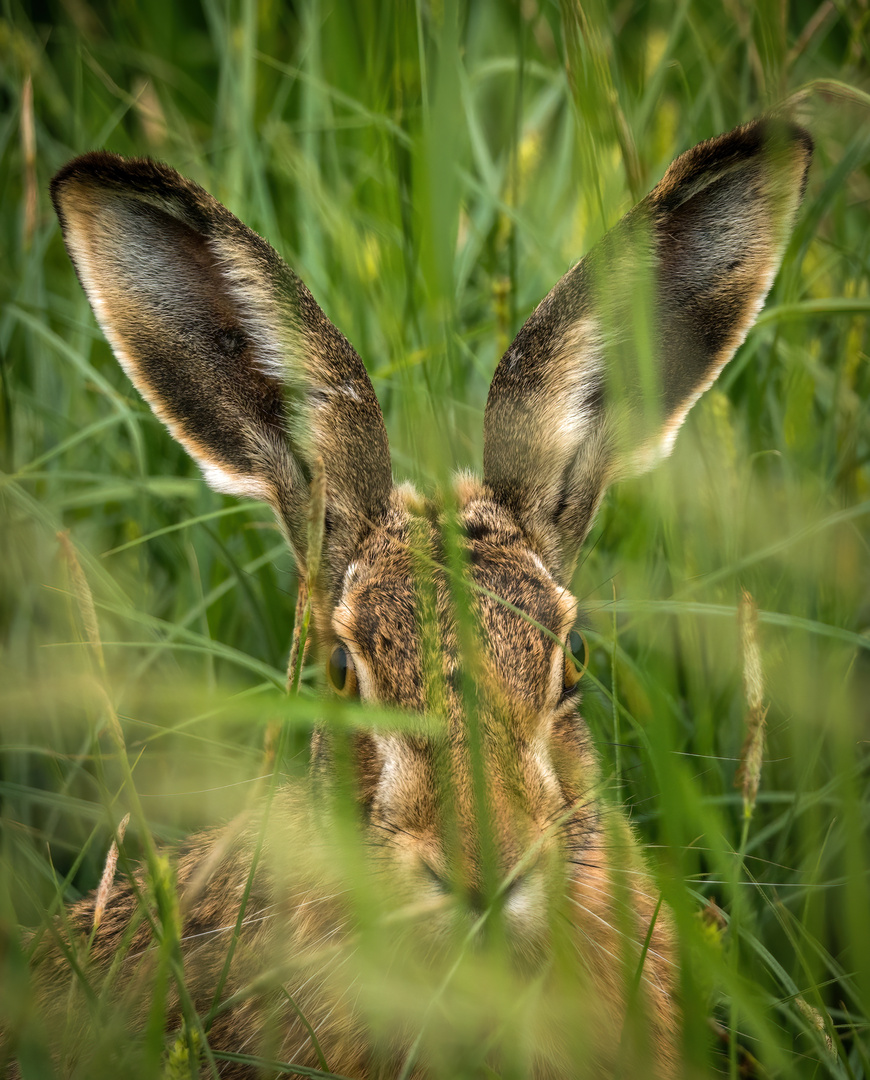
(430, 171)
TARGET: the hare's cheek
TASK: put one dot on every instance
(525, 901)
(404, 796)
(356, 767)
(572, 756)
(526, 909)
(369, 760)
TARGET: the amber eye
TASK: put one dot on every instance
(575, 664)
(342, 673)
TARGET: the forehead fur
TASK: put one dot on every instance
(398, 574)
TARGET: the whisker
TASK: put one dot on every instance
(621, 933)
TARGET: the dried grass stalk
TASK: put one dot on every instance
(107, 880)
(84, 600)
(28, 152)
(748, 775)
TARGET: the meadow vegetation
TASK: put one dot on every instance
(430, 170)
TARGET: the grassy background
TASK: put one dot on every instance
(430, 171)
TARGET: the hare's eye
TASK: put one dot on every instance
(576, 659)
(342, 673)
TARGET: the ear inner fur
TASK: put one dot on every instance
(605, 370)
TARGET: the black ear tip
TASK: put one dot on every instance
(805, 139)
(106, 170)
(774, 136)
(772, 132)
(792, 139)
(784, 136)
(95, 164)
(782, 129)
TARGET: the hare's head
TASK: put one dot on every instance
(458, 608)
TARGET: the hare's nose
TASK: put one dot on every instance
(479, 902)
(476, 901)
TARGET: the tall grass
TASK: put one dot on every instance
(430, 170)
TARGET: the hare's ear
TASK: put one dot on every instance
(605, 370)
(226, 345)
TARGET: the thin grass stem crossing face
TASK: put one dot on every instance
(483, 837)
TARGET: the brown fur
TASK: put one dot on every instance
(493, 813)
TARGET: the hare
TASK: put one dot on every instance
(492, 811)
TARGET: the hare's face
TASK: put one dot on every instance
(516, 710)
